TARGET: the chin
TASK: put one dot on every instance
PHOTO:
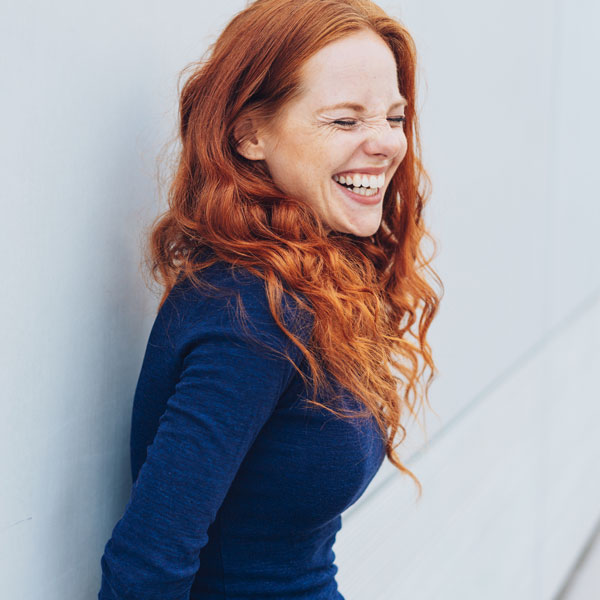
(363, 229)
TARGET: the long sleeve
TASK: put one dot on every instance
(227, 389)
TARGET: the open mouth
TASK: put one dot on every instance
(361, 183)
(359, 190)
(363, 195)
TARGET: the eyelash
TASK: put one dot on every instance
(349, 124)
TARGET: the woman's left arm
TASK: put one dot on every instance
(226, 392)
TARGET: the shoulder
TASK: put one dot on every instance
(232, 300)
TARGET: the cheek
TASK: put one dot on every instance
(305, 157)
(403, 148)
(304, 152)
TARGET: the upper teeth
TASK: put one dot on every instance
(359, 179)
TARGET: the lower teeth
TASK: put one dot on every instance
(357, 190)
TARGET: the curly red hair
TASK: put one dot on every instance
(364, 294)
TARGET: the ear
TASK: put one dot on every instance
(250, 139)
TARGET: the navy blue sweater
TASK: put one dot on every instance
(238, 484)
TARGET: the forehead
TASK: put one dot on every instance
(357, 68)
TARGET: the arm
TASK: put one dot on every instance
(227, 390)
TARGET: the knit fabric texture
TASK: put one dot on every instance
(238, 484)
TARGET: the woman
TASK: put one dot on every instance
(289, 255)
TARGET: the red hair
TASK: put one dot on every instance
(365, 294)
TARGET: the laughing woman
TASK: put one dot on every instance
(279, 368)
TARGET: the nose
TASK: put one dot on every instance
(386, 140)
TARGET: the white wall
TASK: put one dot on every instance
(88, 100)
(510, 474)
(509, 123)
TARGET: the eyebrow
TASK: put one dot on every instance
(359, 107)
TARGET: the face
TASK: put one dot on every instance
(337, 144)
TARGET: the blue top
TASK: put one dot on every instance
(239, 484)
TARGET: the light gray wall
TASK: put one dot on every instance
(509, 110)
(510, 473)
(88, 100)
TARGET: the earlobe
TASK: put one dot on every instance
(251, 149)
(249, 142)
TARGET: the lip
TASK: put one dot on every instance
(365, 170)
(366, 200)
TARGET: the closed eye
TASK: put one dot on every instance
(344, 123)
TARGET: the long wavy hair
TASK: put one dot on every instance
(366, 295)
